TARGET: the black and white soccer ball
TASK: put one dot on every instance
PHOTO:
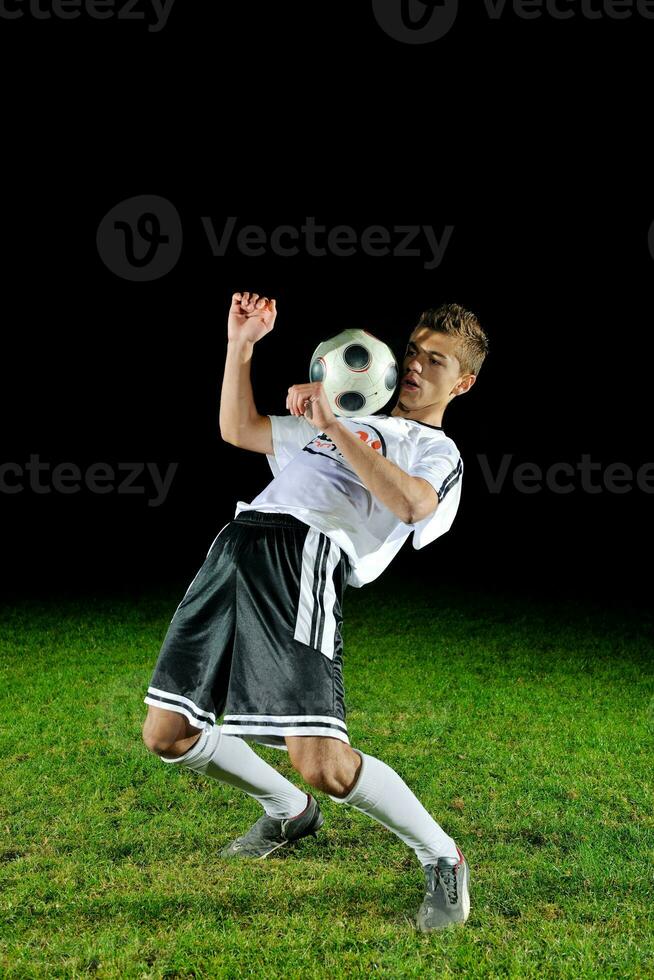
(358, 371)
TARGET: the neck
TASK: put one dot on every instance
(432, 414)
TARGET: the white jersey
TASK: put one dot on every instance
(315, 483)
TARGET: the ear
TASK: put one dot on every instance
(464, 384)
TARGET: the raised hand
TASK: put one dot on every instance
(311, 401)
(250, 317)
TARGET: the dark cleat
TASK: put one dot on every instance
(267, 834)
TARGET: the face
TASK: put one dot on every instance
(430, 361)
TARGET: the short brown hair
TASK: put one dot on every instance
(455, 321)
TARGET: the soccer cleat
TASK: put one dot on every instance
(447, 896)
(268, 833)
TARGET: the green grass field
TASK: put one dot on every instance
(526, 728)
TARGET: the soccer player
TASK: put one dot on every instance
(257, 636)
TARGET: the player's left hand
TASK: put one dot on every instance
(311, 401)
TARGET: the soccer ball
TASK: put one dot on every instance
(358, 372)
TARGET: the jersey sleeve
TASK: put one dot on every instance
(441, 465)
(290, 433)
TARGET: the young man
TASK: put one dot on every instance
(257, 636)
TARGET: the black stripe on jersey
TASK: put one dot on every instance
(450, 480)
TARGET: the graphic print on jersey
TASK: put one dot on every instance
(322, 445)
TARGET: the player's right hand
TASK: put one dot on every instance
(251, 317)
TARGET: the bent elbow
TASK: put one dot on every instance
(226, 438)
(410, 516)
(426, 509)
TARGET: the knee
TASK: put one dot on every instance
(154, 743)
(163, 728)
(156, 739)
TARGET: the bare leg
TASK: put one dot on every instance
(325, 763)
(372, 787)
(226, 758)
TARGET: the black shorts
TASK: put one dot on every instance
(258, 634)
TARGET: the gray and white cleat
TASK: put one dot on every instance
(268, 833)
(447, 895)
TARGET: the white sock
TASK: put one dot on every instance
(229, 759)
(381, 793)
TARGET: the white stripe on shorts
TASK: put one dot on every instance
(288, 719)
(315, 624)
(181, 704)
(282, 725)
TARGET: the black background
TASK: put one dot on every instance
(526, 137)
